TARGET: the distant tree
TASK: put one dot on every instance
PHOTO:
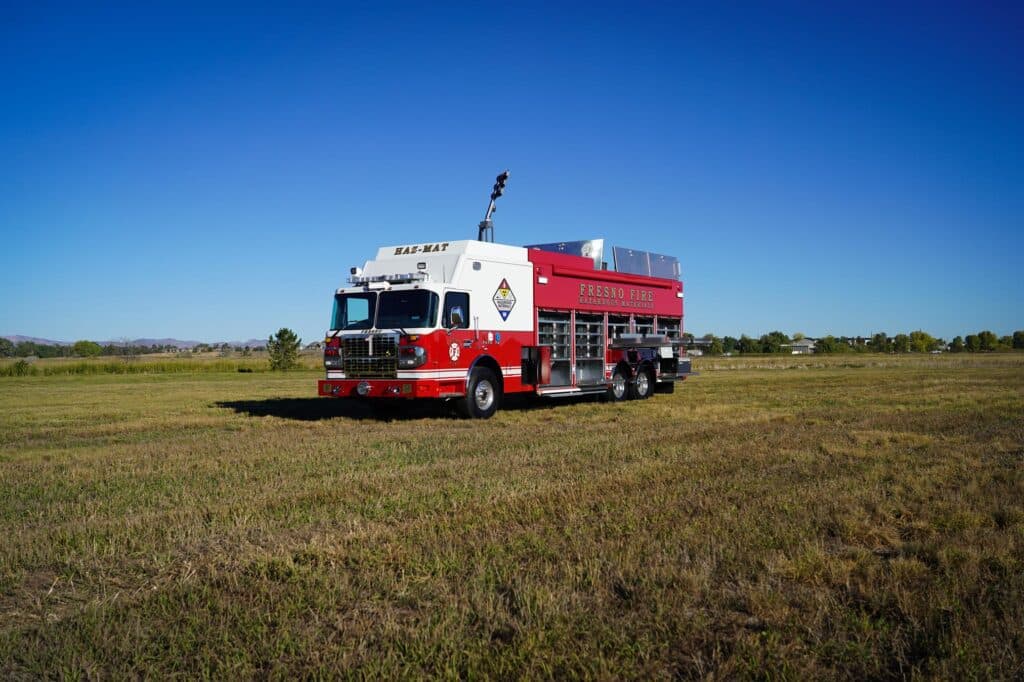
(921, 341)
(956, 345)
(729, 344)
(879, 343)
(799, 336)
(43, 350)
(1006, 342)
(987, 340)
(1018, 339)
(716, 346)
(901, 343)
(772, 342)
(283, 348)
(25, 348)
(828, 344)
(973, 343)
(6, 348)
(748, 345)
(86, 349)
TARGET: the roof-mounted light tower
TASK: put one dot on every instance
(486, 233)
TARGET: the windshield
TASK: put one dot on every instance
(393, 310)
(353, 311)
(399, 309)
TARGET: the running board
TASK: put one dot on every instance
(568, 391)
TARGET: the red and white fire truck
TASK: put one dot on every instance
(471, 321)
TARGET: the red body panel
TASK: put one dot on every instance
(574, 284)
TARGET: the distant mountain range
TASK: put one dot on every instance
(177, 343)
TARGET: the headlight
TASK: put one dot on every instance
(411, 356)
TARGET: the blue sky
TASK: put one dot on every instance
(176, 170)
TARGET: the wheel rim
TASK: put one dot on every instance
(642, 383)
(619, 385)
(483, 395)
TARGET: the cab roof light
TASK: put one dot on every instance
(393, 278)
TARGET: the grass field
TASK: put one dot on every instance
(792, 517)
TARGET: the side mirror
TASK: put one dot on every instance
(456, 318)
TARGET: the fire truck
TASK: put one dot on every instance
(471, 321)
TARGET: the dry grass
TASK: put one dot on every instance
(860, 521)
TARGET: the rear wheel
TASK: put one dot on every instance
(620, 385)
(483, 394)
(643, 387)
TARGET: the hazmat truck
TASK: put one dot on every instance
(471, 321)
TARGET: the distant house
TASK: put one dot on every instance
(699, 343)
(802, 347)
(316, 345)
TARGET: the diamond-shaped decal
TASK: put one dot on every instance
(504, 299)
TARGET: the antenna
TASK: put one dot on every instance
(486, 233)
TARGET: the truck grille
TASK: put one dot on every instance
(359, 363)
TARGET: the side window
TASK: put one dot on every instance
(456, 310)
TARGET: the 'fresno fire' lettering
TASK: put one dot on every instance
(599, 294)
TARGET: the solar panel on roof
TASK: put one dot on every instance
(664, 266)
(591, 248)
(635, 262)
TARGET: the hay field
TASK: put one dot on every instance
(858, 518)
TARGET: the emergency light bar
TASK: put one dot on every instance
(398, 278)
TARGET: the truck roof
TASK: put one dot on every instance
(461, 247)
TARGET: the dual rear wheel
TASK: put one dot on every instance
(641, 388)
(483, 396)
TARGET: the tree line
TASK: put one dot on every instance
(286, 344)
(92, 349)
(915, 342)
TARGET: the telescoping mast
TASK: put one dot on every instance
(471, 321)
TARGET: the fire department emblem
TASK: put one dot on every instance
(504, 299)
(453, 352)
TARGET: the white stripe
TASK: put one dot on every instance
(433, 374)
(430, 374)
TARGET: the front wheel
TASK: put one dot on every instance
(483, 394)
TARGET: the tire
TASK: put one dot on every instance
(483, 395)
(619, 390)
(643, 385)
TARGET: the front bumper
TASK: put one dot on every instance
(390, 388)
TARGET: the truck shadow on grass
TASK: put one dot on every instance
(318, 409)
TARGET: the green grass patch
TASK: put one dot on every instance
(833, 521)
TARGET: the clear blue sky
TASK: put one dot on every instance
(168, 170)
